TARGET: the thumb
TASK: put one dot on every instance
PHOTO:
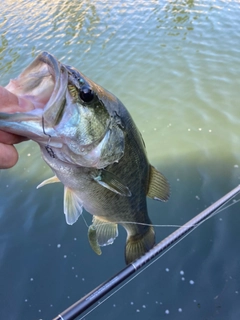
(8, 156)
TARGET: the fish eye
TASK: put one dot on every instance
(86, 94)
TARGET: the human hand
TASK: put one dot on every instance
(10, 103)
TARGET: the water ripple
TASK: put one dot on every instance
(176, 66)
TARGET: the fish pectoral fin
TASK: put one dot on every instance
(101, 233)
(158, 188)
(72, 206)
(110, 181)
(47, 181)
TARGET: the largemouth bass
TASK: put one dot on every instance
(90, 141)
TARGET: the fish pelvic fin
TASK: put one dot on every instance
(72, 206)
(139, 244)
(47, 181)
(158, 187)
(101, 233)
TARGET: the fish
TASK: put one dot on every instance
(90, 141)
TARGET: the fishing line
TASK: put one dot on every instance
(47, 147)
(221, 208)
(179, 226)
(84, 220)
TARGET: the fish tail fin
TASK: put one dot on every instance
(139, 244)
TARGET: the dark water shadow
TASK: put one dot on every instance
(48, 265)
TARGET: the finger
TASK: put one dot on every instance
(8, 156)
(10, 138)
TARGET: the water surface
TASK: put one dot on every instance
(175, 65)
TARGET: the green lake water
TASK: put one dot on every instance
(176, 67)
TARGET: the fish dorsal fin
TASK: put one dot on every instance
(47, 181)
(101, 233)
(158, 188)
(72, 206)
(110, 181)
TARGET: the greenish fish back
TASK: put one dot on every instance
(158, 187)
(139, 244)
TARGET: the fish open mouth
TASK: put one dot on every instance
(42, 85)
(41, 94)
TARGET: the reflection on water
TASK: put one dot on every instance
(175, 65)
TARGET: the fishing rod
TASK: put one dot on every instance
(84, 303)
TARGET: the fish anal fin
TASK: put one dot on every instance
(101, 233)
(110, 181)
(47, 181)
(92, 238)
(158, 187)
(72, 206)
(138, 245)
